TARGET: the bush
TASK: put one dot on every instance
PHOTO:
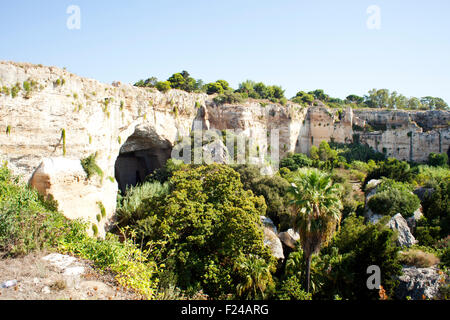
(438, 159)
(359, 246)
(90, 166)
(214, 87)
(392, 169)
(357, 152)
(273, 189)
(163, 86)
(206, 222)
(295, 161)
(418, 258)
(394, 197)
(228, 97)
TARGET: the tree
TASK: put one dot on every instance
(214, 87)
(361, 245)
(256, 278)
(163, 86)
(316, 205)
(438, 159)
(320, 95)
(205, 224)
(353, 98)
(303, 98)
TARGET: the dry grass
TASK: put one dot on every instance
(418, 258)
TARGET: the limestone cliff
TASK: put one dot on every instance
(50, 119)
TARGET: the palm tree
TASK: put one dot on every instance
(316, 205)
(257, 276)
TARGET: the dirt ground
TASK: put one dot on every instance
(38, 279)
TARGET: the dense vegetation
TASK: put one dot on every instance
(375, 98)
(200, 234)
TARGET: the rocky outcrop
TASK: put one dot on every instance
(419, 283)
(66, 181)
(271, 239)
(405, 237)
(405, 135)
(289, 238)
(134, 130)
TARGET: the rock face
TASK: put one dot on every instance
(419, 283)
(271, 239)
(290, 238)
(405, 237)
(66, 181)
(134, 130)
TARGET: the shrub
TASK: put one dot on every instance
(214, 87)
(228, 97)
(438, 159)
(163, 86)
(418, 258)
(357, 152)
(296, 161)
(392, 169)
(207, 222)
(90, 166)
(272, 188)
(394, 197)
(359, 246)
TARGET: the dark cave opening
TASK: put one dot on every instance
(138, 158)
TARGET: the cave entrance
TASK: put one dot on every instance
(142, 153)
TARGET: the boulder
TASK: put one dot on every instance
(422, 192)
(65, 181)
(271, 239)
(405, 237)
(412, 221)
(216, 152)
(419, 283)
(290, 238)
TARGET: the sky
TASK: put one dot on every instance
(300, 45)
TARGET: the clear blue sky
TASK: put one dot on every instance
(300, 45)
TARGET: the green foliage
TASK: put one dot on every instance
(394, 197)
(303, 98)
(129, 210)
(291, 289)
(8, 130)
(27, 222)
(163, 86)
(214, 87)
(207, 221)
(392, 169)
(316, 204)
(90, 166)
(228, 97)
(15, 90)
(359, 246)
(256, 277)
(102, 209)
(296, 161)
(357, 152)
(272, 188)
(438, 159)
(261, 91)
(436, 209)
(95, 229)
(63, 137)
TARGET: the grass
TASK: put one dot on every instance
(418, 258)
